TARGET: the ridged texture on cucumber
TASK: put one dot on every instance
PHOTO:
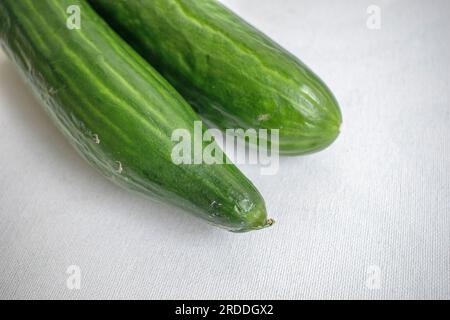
(234, 76)
(118, 112)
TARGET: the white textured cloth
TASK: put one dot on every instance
(367, 218)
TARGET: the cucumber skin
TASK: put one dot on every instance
(118, 112)
(232, 74)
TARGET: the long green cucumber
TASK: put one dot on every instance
(232, 74)
(118, 112)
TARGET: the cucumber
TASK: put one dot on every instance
(118, 112)
(232, 74)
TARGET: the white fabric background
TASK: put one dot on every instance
(380, 196)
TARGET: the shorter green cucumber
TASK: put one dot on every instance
(231, 73)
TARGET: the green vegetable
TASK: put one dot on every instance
(232, 74)
(118, 112)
